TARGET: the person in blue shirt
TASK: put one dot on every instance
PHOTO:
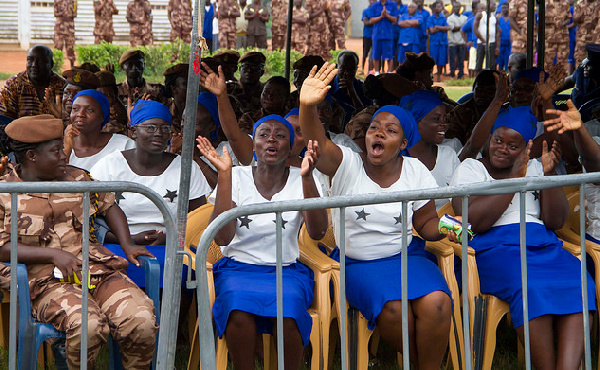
(437, 26)
(207, 31)
(469, 13)
(347, 89)
(409, 32)
(383, 15)
(367, 36)
(402, 9)
(424, 14)
(572, 37)
(505, 44)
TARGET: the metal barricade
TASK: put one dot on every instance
(85, 187)
(520, 185)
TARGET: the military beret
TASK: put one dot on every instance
(130, 54)
(35, 129)
(396, 85)
(178, 69)
(106, 78)
(212, 63)
(82, 78)
(308, 61)
(253, 57)
(421, 61)
(227, 57)
(593, 52)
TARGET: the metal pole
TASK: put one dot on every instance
(585, 299)
(465, 283)
(14, 232)
(173, 261)
(404, 282)
(488, 62)
(279, 273)
(523, 243)
(343, 308)
(288, 39)
(530, 30)
(85, 270)
(541, 47)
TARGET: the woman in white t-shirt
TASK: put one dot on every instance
(85, 143)
(374, 232)
(553, 274)
(245, 289)
(148, 164)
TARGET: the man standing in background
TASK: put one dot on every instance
(228, 11)
(180, 16)
(279, 9)
(299, 27)
(241, 26)
(317, 29)
(256, 33)
(456, 43)
(104, 11)
(338, 12)
(65, 12)
(139, 16)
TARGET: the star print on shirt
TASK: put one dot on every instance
(398, 219)
(171, 195)
(119, 197)
(283, 222)
(245, 221)
(362, 214)
(536, 195)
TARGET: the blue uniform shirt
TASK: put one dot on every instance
(424, 14)
(468, 29)
(572, 31)
(409, 35)
(438, 38)
(402, 9)
(207, 30)
(367, 30)
(384, 29)
(505, 31)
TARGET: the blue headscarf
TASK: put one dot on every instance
(278, 118)
(293, 112)
(531, 73)
(100, 99)
(420, 103)
(209, 101)
(144, 110)
(407, 121)
(520, 119)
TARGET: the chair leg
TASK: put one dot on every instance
(495, 312)
(194, 358)
(317, 359)
(222, 354)
(362, 350)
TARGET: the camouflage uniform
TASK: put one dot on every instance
(300, 31)
(249, 99)
(518, 11)
(180, 16)
(153, 89)
(588, 15)
(256, 32)
(557, 34)
(139, 16)
(116, 305)
(65, 12)
(337, 13)
(104, 11)
(317, 30)
(279, 11)
(228, 11)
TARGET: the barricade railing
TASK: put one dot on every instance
(519, 185)
(85, 188)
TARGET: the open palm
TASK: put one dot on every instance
(213, 82)
(315, 87)
(221, 163)
(569, 120)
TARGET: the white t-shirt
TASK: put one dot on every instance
(445, 164)
(141, 213)
(116, 143)
(345, 140)
(472, 170)
(453, 143)
(375, 231)
(483, 27)
(592, 197)
(255, 241)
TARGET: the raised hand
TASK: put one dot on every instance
(311, 157)
(569, 120)
(211, 81)
(222, 163)
(502, 88)
(54, 104)
(519, 168)
(70, 133)
(176, 143)
(315, 87)
(550, 158)
(555, 80)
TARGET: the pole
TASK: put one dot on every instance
(288, 39)
(541, 47)
(530, 38)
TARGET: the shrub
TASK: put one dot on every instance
(59, 60)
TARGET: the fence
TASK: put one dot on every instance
(521, 185)
(86, 188)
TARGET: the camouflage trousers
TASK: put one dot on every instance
(99, 38)
(560, 50)
(278, 31)
(139, 36)
(183, 33)
(116, 306)
(227, 33)
(338, 33)
(582, 40)
(318, 44)
(66, 42)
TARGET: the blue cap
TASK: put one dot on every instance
(520, 119)
(144, 110)
(420, 103)
(407, 121)
(209, 101)
(101, 99)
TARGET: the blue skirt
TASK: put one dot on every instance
(371, 284)
(553, 274)
(252, 289)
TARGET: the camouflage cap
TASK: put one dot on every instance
(227, 57)
(130, 54)
(212, 63)
(106, 78)
(308, 61)
(82, 78)
(253, 57)
(35, 129)
(180, 69)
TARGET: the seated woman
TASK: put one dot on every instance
(85, 143)
(553, 274)
(51, 239)
(148, 164)
(245, 278)
(429, 111)
(374, 233)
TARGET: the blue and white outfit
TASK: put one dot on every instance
(245, 276)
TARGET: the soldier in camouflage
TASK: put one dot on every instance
(558, 16)
(279, 9)
(299, 27)
(518, 18)
(256, 33)
(65, 12)
(50, 238)
(585, 17)
(104, 11)
(180, 16)
(135, 86)
(228, 11)
(139, 16)
(337, 13)
(317, 29)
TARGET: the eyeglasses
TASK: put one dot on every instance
(152, 128)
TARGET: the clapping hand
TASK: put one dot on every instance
(311, 157)
(555, 80)
(54, 103)
(222, 163)
(550, 158)
(315, 87)
(569, 120)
